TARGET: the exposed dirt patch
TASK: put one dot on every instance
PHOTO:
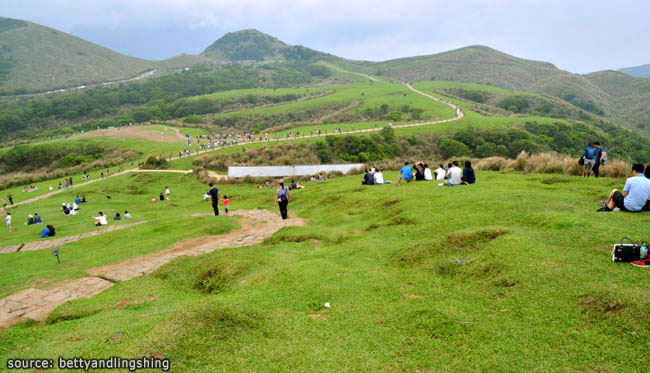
(391, 202)
(599, 305)
(318, 316)
(413, 296)
(138, 132)
(129, 301)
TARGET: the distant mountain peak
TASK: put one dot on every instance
(254, 45)
(642, 71)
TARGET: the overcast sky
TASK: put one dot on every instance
(576, 35)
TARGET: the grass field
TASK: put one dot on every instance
(510, 274)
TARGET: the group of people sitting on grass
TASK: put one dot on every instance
(117, 216)
(635, 194)
(373, 176)
(31, 188)
(452, 173)
(34, 219)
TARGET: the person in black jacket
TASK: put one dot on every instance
(468, 174)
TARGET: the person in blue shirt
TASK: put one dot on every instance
(45, 232)
(405, 173)
(77, 200)
(634, 196)
(37, 218)
(589, 159)
(598, 160)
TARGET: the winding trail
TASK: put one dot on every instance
(37, 304)
(458, 115)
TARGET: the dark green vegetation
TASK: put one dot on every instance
(37, 58)
(160, 98)
(419, 278)
(252, 45)
(611, 94)
(642, 71)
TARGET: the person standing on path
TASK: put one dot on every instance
(11, 198)
(282, 199)
(214, 193)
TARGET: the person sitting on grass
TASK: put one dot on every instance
(379, 176)
(83, 199)
(66, 210)
(117, 216)
(100, 220)
(454, 174)
(368, 178)
(48, 231)
(37, 218)
(30, 220)
(427, 173)
(468, 173)
(419, 171)
(127, 215)
(634, 196)
(77, 200)
(440, 172)
(405, 173)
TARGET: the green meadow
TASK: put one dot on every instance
(510, 274)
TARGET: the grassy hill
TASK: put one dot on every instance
(597, 93)
(37, 58)
(642, 71)
(418, 278)
(253, 45)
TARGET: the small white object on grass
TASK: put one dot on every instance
(441, 184)
(327, 305)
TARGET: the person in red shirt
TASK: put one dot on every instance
(226, 203)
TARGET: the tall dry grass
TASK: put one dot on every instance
(548, 163)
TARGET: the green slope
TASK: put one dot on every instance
(38, 58)
(253, 45)
(616, 96)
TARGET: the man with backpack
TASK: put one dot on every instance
(282, 199)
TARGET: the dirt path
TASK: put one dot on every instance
(37, 303)
(48, 244)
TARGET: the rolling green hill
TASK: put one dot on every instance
(642, 71)
(613, 95)
(37, 58)
(253, 45)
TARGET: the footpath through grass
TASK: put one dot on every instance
(510, 274)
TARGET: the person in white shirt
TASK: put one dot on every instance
(8, 221)
(427, 172)
(440, 172)
(167, 193)
(127, 215)
(379, 176)
(455, 175)
(100, 220)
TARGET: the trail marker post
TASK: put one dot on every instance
(55, 252)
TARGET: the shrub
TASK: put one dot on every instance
(155, 163)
